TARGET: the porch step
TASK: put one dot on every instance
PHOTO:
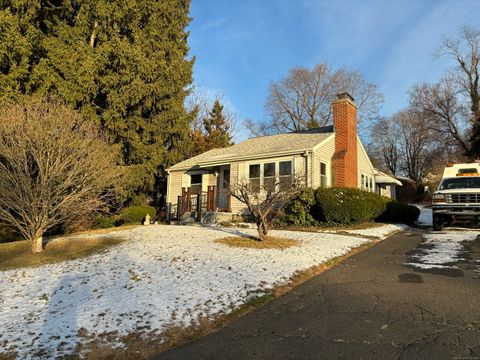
(215, 217)
(188, 217)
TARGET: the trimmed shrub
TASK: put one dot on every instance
(399, 213)
(136, 214)
(298, 212)
(348, 206)
(103, 222)
(9, 234)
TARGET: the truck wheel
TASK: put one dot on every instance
(437, 223)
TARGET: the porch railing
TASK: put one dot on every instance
(195, 203)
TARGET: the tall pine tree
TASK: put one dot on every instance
(123, 63)
(215, 132)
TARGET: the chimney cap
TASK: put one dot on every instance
(345, 95)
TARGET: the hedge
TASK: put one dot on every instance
(343, 206)
(298, 211)
(348, 206)
(399, 213)
(136, 214)
(103, 222)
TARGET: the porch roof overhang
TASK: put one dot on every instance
(264, 147)
(228, 160)
(382, 178)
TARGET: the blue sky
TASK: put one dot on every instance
(242, 46)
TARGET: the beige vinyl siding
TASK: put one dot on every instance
(365, 167)
(174, 188)
(208, 180)
(299, 166)
(237, 171)
(323, 153)
(181, 179)
(385, 190)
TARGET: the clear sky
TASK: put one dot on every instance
(241, 46)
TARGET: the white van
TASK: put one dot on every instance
(457, 200)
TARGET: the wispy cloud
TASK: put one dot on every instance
(241, 46)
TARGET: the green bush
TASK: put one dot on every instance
(136, 214)
(399, 213)
(348, 206)
(9, 234)
(298, 211)
(103, 222)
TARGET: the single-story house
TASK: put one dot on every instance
(386, 185)
(326, 156)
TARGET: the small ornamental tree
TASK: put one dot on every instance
(264, 201)
(54, 168)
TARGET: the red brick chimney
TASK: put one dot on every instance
(345, 166)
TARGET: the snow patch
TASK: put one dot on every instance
(380, 232)
(162, 276)
(441, 250)
(425, 217)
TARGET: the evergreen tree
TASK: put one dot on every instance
(123, 63)
(217, 128)
(215, 132)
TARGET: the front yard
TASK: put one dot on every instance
(161, 278)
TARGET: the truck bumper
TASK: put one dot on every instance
(457, 210)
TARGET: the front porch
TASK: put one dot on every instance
(207, 192)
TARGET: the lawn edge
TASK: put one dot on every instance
(177, 336)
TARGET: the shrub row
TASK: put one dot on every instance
(399, 213)
(343, 206)
(130, 215)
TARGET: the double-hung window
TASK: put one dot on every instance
(323, 175)
(254, 177)
(196, 183)
(285, 175)
(269, 177)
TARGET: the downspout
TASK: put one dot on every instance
(308, 167)
(168, 185)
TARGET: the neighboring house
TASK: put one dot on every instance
(386, 185)
(327, 156)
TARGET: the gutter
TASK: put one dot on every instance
(244, 157)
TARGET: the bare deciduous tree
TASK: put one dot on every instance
(54, 168)
(264, 201)
(385, 144)
(417, 143)
(454, 102)
(448, 115)
(302, 100)
(407, 144)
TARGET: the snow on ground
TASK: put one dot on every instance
(425, 217)
(162, 276)
(380, 232)
(441, 250)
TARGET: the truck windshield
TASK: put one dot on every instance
(460, 183)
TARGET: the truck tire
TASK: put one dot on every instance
(437, 223)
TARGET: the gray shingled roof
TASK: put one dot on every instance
(264, 145)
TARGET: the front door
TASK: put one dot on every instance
(223, 188)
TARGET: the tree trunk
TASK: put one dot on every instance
(37, 244)
(262, 228)
(94, 34)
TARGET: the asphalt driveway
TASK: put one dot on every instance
(372, 306)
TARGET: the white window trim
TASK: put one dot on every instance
(276, 161)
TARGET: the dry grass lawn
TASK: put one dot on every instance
(253, 243)
(361, 226)
(18, 254)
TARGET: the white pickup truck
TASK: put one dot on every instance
(457, 200)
